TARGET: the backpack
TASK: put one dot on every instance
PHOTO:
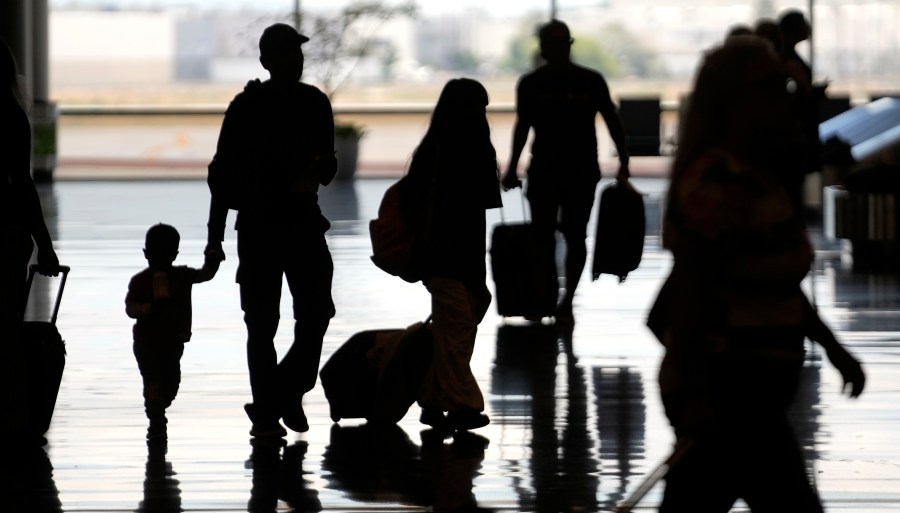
(394, 241)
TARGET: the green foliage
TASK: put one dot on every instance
(342, 40)
(348, 130)
(613, 51)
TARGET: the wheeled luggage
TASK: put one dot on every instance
(621, 226)
(45, 358)
(525, 280)
(377, 374)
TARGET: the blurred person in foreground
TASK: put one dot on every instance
(731, 314)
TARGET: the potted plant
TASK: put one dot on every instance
(346, 146)
(340, 42)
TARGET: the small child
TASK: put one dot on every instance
(159, 299)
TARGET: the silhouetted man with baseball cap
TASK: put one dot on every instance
(275, 148)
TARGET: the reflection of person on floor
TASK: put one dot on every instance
(159, 300)
(278, 476)
(22, 227)
(560, 101)
(162, 493)
(28, 482)
(732, 315)
(278, 138)
(449, 471)
(452, 180)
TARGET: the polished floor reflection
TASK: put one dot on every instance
(576, 421)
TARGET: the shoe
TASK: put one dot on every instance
(433, 417)
(268, 431)
(262, 429)
(295, 419)
(466, 419)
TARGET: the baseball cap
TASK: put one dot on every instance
(278, 37)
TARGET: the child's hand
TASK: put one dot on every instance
(214, 252)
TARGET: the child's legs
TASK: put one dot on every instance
(160, 366)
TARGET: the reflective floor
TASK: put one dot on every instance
(576, 421)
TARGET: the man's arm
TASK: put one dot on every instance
(226, 146)
(522, 127)
(511, 180)
(613, 122)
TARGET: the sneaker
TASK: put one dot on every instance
(262, 429)
(433, 417)
(295, 419)
(466, 419)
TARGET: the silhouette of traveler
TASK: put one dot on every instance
(22, 227)
(159, 299)
(452, 180)
(795, 29)
(278, 137)
(732, 315)
(560, 101)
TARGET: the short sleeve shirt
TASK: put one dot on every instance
(171, 323)
(561, 103)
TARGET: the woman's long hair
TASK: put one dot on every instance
(458, 128)
(12, 90)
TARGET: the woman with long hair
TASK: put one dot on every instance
(453, 178)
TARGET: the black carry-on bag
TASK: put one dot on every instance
(621, 226)
(45, 358)
(377, 374)
(525, 280)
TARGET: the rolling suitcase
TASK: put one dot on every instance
(377, 374)
(621, 226)
(525, 281)
(45, 358)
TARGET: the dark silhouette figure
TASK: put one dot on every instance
(162, 493)
(770, 30)
(278, 133)
(278, 475)
(452, 180)
(795, 29)
(159, 300)
(22, 227)
(732, 315)
(560, 101)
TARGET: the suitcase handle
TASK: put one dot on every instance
(525, 215)
(64, 274)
